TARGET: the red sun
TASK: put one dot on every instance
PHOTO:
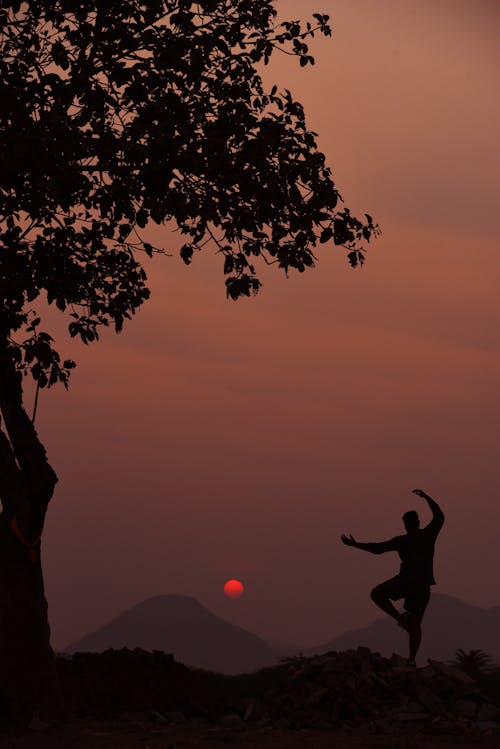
(233, 589)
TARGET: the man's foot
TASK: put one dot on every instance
(412, 663)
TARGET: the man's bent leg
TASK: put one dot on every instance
(380, 597)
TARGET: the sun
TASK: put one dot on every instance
(233, 588)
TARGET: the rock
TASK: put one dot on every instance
(282, 723)
(466, 708)
(485, 725)
(36, 724)
(413, 707)
(430, 701)
(398, 660)
(175, 717)
(232, 721)
(317, 696)
(405, 717)
(453, 673)
(250, 711)
(488, 712)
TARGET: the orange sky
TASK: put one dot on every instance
(214, 439)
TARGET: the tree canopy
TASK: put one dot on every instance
(120, 113)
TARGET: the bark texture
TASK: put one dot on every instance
(28, 682)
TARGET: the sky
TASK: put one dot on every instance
(215, 439)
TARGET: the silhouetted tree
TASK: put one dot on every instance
(115, 114)
(473, 662)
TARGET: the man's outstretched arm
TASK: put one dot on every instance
(437, 513)
(374, 548)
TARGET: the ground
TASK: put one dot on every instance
(136, 734)
(140, 700)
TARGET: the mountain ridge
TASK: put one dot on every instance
(449, 624)
(181, 625)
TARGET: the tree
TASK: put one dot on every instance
(473, 662)
(114, 115)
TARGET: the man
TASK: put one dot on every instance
(416, 575)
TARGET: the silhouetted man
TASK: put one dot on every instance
(416, 575)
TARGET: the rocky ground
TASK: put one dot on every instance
(130, 699)
(130, 734)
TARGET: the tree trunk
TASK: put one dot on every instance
(28, 682)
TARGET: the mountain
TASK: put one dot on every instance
(182, 626)
(449, 624)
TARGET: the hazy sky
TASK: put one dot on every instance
(214, 439)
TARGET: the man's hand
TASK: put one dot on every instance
(349, 540)
(437, 513)
(420, 493)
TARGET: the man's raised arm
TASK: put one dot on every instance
(374, 548)
(437, 513)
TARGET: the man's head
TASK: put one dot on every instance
(411, 521)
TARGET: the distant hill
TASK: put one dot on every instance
(182, 626)
(449, 624)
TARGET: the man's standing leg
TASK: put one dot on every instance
(415, 604)
(412, 624)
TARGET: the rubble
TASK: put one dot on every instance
(355, 690)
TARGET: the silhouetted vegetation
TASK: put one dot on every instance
(473, 662)
(482, 668)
